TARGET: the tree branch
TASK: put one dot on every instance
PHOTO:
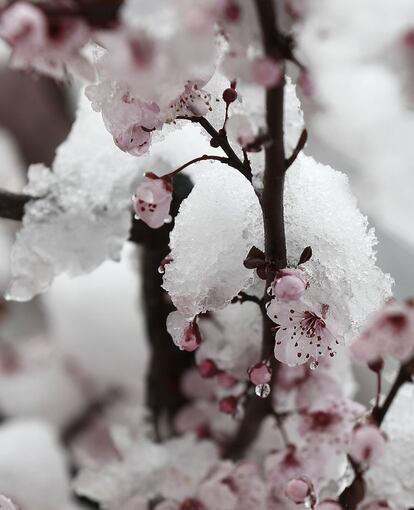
(219, 139)
(273, 218)
(12, 205)
(354, 493)
(299, 146)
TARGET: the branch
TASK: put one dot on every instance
(12, 205)
(299, 146)
(273, 218)
(354, 493)
(204, 157)
(220, 140)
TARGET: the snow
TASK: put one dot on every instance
(83, 216)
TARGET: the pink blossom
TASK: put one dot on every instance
(367, 444)
(330, 420)
(304, 332)
(208, 368)
(152, 202)
(192, 337)
(266, 72)
(228, 405)
(389, 332)
(289, 284)
(135, 140)
(240, 130)
(47, 45)
(297, 490)
(260, 373)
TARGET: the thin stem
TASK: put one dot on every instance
(242, 297)
(299, 146)
(220, 138)
(403, 376)
(204, 157)
(282, 430)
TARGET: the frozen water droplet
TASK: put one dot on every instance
(267, 305)
(181, 347)
(313, 365)
(308, 502)
(168, 219)
(136, 216)
(161, 269)
(269, 291)
(262, 390)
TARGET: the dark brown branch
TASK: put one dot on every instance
(219, 139)
(354, 493)
(273, 218)
(12, 205)
(167, 363)
(204, 157)
(299, 146)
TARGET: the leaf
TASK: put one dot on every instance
(306, 255)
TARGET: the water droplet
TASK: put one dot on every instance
(181, 347)
(168, 219)
(269, 291)
(267, 305)
(161, 269)
(262, 390)
(309, 502)
(136, 216)
(314, 365)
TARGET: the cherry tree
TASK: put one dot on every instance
(206, 134)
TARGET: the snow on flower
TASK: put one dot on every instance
(304, 332)
(152, 201)
(7, 504)
(390, 331)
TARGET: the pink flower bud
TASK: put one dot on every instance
(289, 285)
(260, 373)
(266, 72)
(192, 337)
(228, 405)
(367, 444)
(226, 380)
(208, 368)
(152, 202)
(297, 490)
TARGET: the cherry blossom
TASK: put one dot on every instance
(260, 373)
(367, 444)
(381, 504)
(47, 45)
(297, 490)
(330, 420)
(152, 202)
(389, 332)
(289, 284)
(304, 332)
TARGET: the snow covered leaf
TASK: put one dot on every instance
(84, 214)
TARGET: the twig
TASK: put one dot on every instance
(204, 157)
(220, 140)
(12, 205)
(299, 146)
